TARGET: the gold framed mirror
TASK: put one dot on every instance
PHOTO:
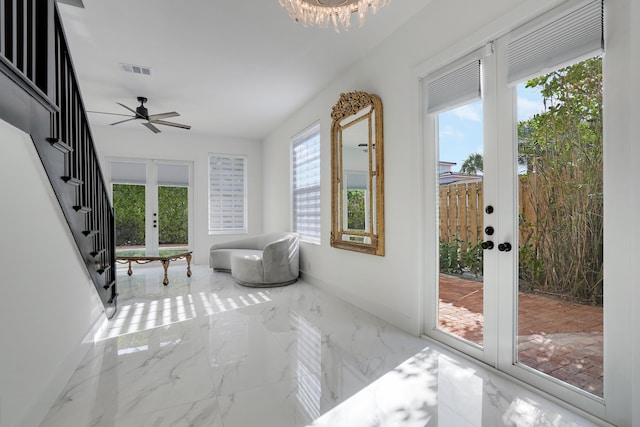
(357, 174)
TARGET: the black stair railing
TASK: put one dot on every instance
(35, 59)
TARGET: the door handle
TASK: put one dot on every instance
(504, 247)
(487, 245)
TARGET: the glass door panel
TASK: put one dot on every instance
(129, 209)
(560, 279)
(460, 188)
(173, 219)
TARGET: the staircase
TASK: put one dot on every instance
(39, 94)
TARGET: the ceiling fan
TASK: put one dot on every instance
(142, 113)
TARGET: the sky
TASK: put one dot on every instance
(461, 128)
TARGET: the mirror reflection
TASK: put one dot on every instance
(357, 196)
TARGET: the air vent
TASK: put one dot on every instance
(135, 69)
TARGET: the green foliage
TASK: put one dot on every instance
(562, 150)
(454, 259)
(129, 208)
(473, 165)
(473, 259)
(356, 209)
(173, 215)
(450, 261)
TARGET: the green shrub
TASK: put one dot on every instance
(456, 260)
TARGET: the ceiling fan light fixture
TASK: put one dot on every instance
(141, 113)
(337, 12)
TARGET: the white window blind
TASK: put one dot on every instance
(227, 194)
(455, 88)
(305, 158)
(570, 37)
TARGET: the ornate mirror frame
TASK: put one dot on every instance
(362, 111)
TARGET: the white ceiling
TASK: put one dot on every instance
(235, 68)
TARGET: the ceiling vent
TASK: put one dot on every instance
(135, 69)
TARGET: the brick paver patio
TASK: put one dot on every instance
(559, 338)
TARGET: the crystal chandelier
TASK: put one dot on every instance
(321, 12)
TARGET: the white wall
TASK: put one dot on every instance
(47, 300)
(392, 286)
(135, 141)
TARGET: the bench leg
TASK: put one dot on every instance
(165, 265)
(188, 265)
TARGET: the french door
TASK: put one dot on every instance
(518, 202)
(151, 200)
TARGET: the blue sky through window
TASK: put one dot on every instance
(461, 128)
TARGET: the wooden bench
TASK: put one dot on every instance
(165, 260)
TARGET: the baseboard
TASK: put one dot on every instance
(400, 320)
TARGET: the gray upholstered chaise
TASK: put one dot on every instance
(260, 261)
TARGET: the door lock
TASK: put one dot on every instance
(504, 247)
(487, 245)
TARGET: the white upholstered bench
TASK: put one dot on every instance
(264, 260)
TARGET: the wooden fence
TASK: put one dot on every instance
(462, 211)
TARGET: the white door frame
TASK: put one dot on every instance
(151, 196)
(501, 268)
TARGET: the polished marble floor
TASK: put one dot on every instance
(204, 351)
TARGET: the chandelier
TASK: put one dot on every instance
(338, 12)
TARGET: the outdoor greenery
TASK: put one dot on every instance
(356, 209)
(173, 215)
(561, 148)
(473, 164)
(129, 207)
(454, 259)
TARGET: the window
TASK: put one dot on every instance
(305, 173)
(227, 194)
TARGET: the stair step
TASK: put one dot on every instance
(108, 285)
(98, 252)
(59, 145)
(82, 209)
(71, 180)
(90, 233)
(104, 269)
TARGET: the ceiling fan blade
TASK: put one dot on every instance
(122, 105)
(151, 127)
(111, 114)
(122, 121)
(175, 125)
(154, 117)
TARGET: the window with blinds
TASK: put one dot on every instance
(572, 36)
(227, 194)
(455, 88)
(305, 173)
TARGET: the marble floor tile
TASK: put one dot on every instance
(203, 413)
(205, 351)
(435, 388)
(289, 403)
